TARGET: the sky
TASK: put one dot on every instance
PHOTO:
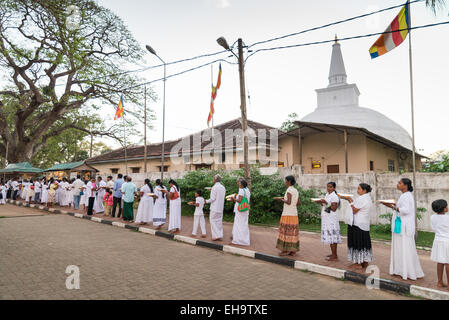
(281, 82)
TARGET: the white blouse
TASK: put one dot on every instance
(440, 225)
(362, 218)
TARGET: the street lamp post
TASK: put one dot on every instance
(222, 42)
(151, 50)
(145, 132)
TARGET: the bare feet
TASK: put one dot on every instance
(203, 236)
(332, 258)
(284, 253)
(292, 253)
(217, 239)
(440, 285)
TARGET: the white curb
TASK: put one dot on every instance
(428, 293)
(147, 230)
(185, 239)
(78, 215)
(96, 219)
(328, 271)
(118, 224)
(239, 251)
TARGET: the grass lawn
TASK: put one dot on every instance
(425, 239)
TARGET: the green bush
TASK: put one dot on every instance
(264, 209)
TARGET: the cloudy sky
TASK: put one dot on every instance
(281, 82)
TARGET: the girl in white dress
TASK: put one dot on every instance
(174, 195)
(440, 249)
(404, 257)
(198, 215)
(160, 205)
(145, 210)
(330, 226)
(24, 194)
(30, 192)
(44, 195)
(240, 230)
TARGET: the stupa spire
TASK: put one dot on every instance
(337, 72)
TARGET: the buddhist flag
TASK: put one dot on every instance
(213, 96)
(392, 38)
(119, 111)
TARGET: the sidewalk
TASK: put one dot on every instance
(263, 239)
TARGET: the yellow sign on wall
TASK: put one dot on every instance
(316, 164)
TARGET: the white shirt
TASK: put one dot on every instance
(217, 198)
(146, 190)
(37, 187)
(89, 192)
(362, 218)
(330, 198)
(406, 206)
(199, 210)
(440, 225)
(15, 185)
(77, 184)
(242, 192)
(110, 184)
(291, 209)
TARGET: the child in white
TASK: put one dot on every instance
(3, 193)
(440, 249)
(198, 216)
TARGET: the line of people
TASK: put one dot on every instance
(152, 209)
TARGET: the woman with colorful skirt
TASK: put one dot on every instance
(288, 238)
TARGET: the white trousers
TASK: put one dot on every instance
(199, 220)
(216, 224)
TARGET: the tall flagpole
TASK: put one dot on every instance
(124, 139)
(213, 114)
(413, 113)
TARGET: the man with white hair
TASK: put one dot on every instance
(217, 198)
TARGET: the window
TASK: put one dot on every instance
(371, 166)
(202, 166)
(391, 166)
(114, 170)
(187, 159)
(334, 168)
(165, 168)
(135, 170)
(223, 157)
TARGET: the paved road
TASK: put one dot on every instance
(117, 263)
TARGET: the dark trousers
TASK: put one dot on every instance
(14, 195)
(37, 197)
(8, 194)
(117, 201)
(91, 206)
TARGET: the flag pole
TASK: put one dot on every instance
(413, 114)
(124, 138)
(213, 114)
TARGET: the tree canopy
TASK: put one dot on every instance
(58, 70)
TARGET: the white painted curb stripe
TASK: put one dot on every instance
(147, 230)
(428, 293)
(328, 271)
(186, 239)
(118, 224)
(96, 219)
(239, 251)
(78, 215)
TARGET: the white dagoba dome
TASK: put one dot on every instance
(339, 104)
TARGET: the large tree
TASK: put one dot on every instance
(60, 61)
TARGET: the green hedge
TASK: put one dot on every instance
(263, 189)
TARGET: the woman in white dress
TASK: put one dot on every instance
(240, 229)
(30, 192)
(404, 257)
(160, 205)
(24, 194)
(44, 195)
(330, 226)
(174, 195)
(145, 210)
(3, 193)
(101, 191)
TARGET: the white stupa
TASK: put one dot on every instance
(339, 104)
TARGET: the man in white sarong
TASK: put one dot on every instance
(98, 204)
(217, 198)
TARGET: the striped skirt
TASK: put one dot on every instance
(288, 238)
